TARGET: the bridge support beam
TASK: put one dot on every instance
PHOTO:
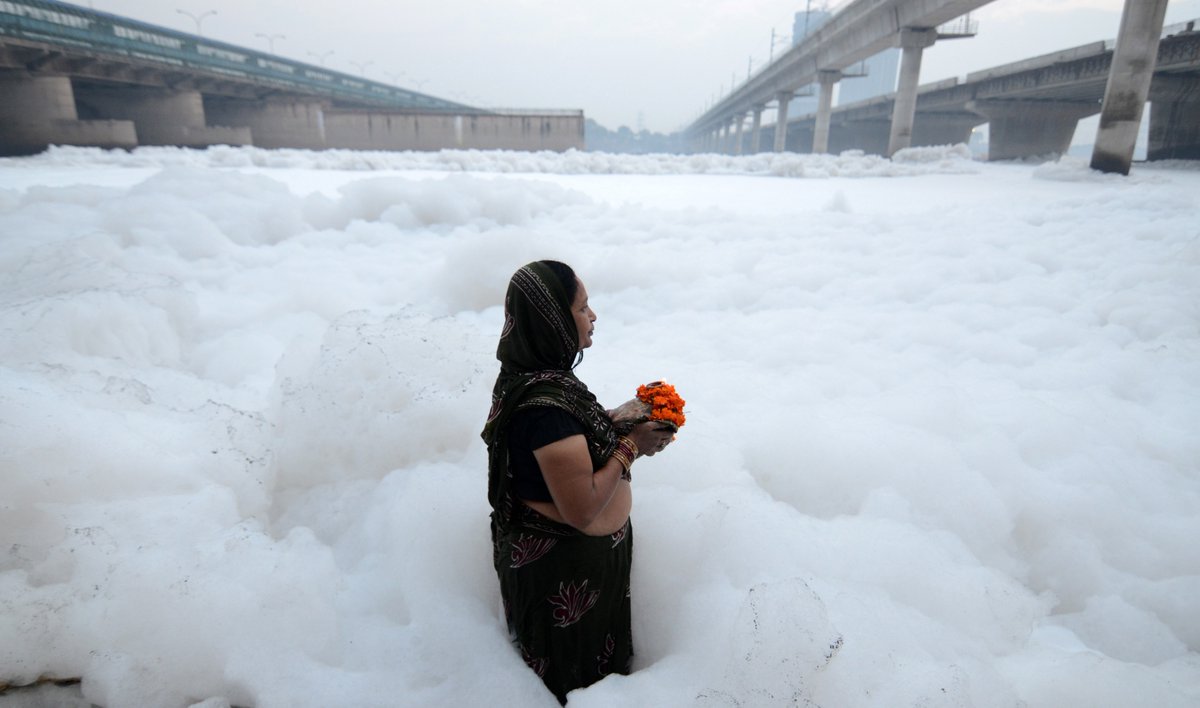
(756, 129)
(1174, 118)
(912, 43)
(739, 120)
(1019, 129)
(36, 112)
(1128, 87)
(274, 123)
(827, 79)
(946, 128)
(161, 116)
(870, 136)
(783, 97)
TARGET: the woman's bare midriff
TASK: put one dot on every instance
(611, 520)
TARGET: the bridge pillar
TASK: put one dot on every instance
(781, 120)
(274, 123)
(913, 43)
(1128, 85)
(737, 144)
(827, 79)
(1174, 118)
(161, 116)
(756, 129)
(39, 111)
(1029, 128)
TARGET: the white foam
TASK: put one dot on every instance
(940, 447)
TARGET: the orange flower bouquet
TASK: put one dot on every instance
(656, 401)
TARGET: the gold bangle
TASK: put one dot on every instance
(622, 459)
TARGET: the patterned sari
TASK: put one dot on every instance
(566, 594)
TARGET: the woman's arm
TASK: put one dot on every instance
(580, 493)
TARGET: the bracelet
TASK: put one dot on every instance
(629, 446)
(625, 452)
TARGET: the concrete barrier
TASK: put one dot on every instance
(376, 130)
(279, 123)
(39, 111)
(161, 116)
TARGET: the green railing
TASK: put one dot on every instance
(72, 27)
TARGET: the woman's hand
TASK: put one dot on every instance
(651, 437)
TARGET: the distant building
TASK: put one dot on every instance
(805, 23)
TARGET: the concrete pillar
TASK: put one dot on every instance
(827, 79)
(781, 120)
(1174, 118)
(1128, 86)
(756, 129)
(39, 111)
(913, 43)
(737, 140)
(296, 123)
(1026, 128)
(161, 116)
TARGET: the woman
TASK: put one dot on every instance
(558, 483)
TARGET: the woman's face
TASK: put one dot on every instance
(584, 317)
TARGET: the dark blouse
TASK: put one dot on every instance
(530, 429)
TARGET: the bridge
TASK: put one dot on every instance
(72, 75)
(1032, 106)
(859, 30)
(862, 28)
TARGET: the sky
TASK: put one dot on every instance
(641, 64)
(940, 447)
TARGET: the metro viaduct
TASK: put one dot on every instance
(865, 27)
(1032, 106)
(74, 76)
(860, 30)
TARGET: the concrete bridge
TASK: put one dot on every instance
(858, 31)
(1032, 107)
(74, 76)
(864, 27)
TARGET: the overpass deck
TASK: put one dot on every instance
(858, 31)
(50, 36)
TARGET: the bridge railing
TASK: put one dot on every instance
(59, 24)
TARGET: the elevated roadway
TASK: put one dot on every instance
(73, 75)
(1032, 106)
(859, 30)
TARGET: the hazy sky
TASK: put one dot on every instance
(651, 63)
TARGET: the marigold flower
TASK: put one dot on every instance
(665, 404)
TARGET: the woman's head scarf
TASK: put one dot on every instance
(539, 328)
(539, 345)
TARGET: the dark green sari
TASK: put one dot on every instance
(566, 594)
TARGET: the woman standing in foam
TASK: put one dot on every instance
(559, 487)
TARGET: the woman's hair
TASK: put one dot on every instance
(566, 277)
